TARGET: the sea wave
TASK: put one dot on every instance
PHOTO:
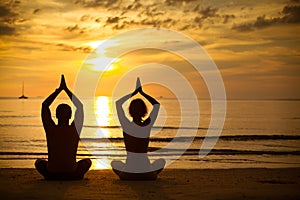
(175, 139)
(164, 152)
(185, 139)
(18, 116)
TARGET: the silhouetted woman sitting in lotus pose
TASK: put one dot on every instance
(62, 139)
(136, 138)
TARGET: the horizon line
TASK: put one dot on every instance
(274, 99)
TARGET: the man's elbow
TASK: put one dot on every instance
(45, 104)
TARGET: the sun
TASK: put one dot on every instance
(102, 45)
(95, 44)
(99, 59)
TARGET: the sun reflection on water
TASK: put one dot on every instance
(103, 113)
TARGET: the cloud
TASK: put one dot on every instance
(198, 21)
(5, 12)
(290, 14)
(166, 23)
(227, 18)
(73, 28)
(124, 24)
(76, 28)
(111, 20)
(98, 20)
(151, 22)
(206, 12)
(84, 18)
(118, 22)
(9, 18)
(205, 15)
(135, 5)
(66, 47)
(177, 2)
(132, 7)
(150, 16)
(151, 11)
(96, 3)
(36, 11)
(260, 22)
(186, 27)
(128, 14)
(6, 30)
(295, 1)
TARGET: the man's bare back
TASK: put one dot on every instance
(62, 139)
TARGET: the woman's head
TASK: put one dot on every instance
(137, 108)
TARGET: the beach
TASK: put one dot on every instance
(251, 183)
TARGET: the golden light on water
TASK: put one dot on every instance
(103, 113)
(101, 164)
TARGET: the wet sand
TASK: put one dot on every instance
(172, 184)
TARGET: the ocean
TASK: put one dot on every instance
(256, 133)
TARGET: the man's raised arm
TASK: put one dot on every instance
(46, 114)
(78, 118)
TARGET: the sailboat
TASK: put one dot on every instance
(23, 96)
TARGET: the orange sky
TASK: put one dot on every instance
(255, 44)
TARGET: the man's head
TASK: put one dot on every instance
(63, 112)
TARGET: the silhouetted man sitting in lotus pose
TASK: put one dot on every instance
(62, 139)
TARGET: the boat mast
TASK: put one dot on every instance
(23, 89)
(23, 96)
